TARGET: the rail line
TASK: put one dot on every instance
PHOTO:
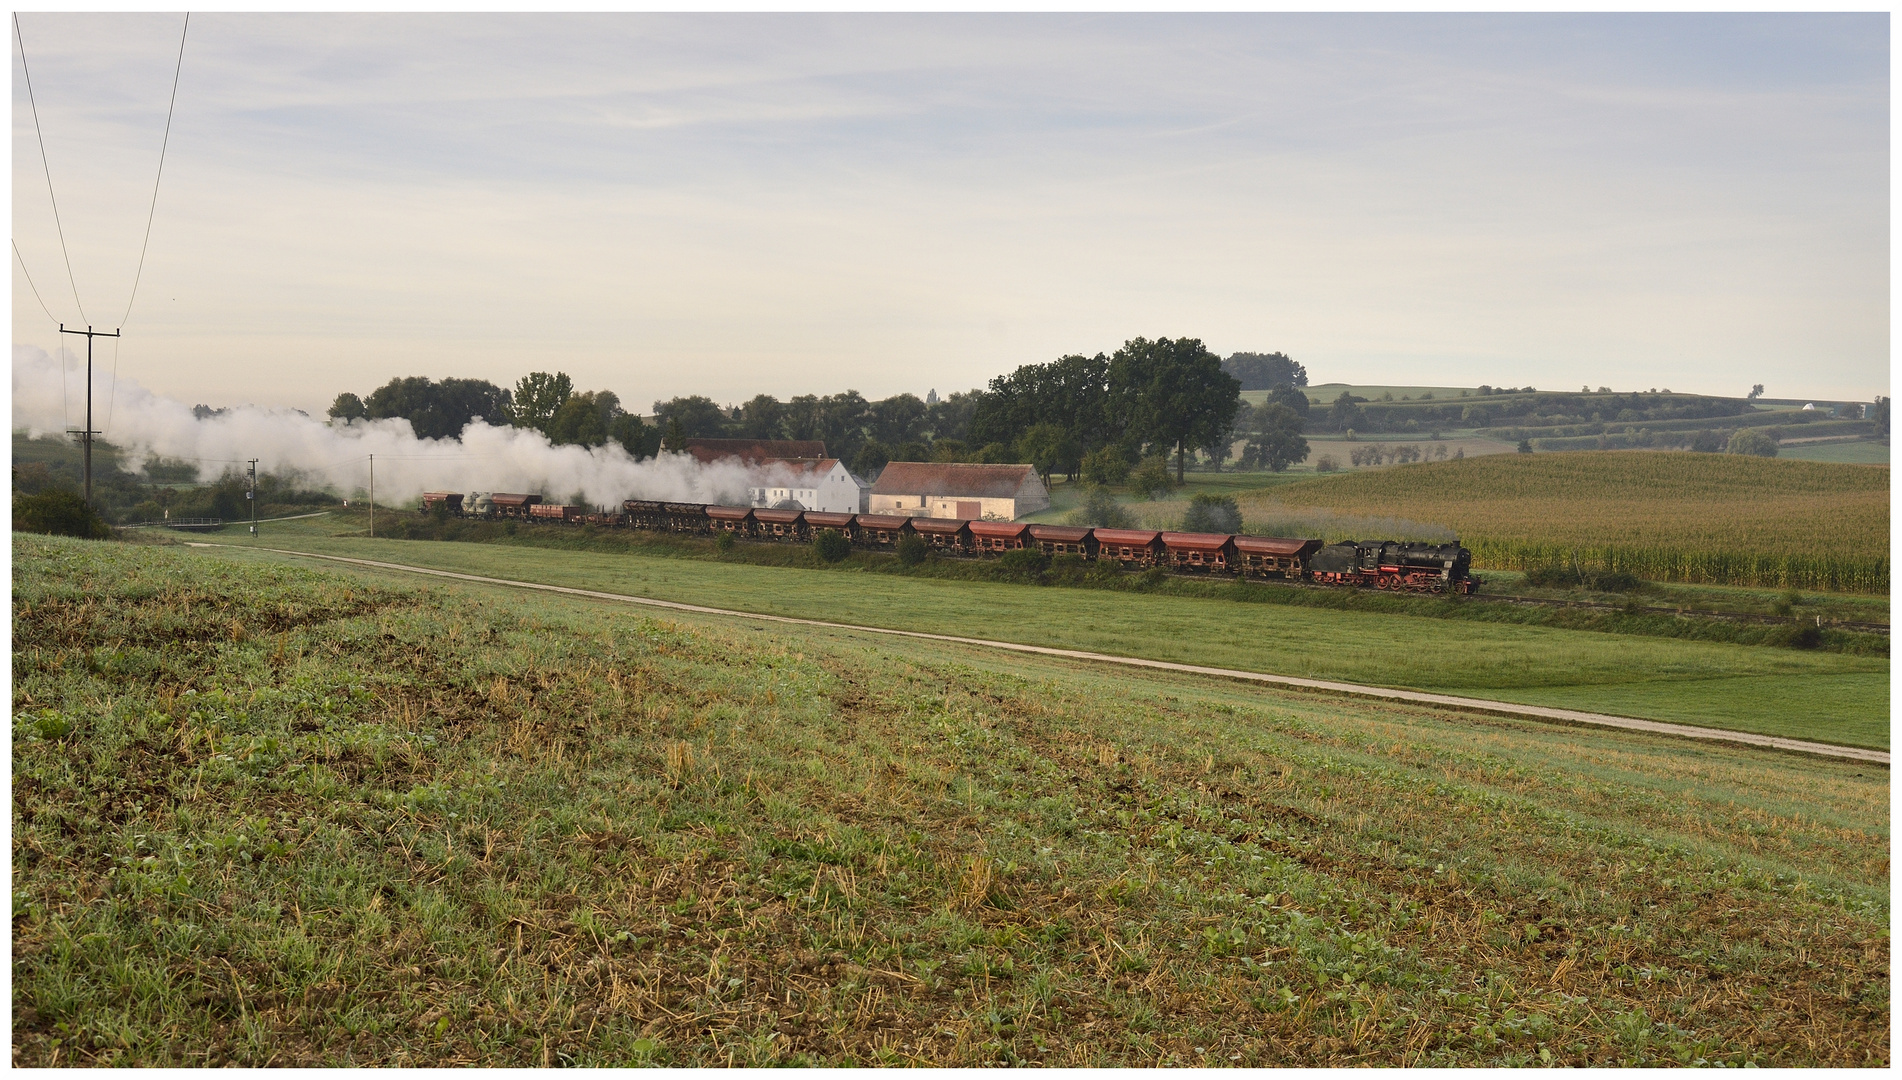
(1463, 704)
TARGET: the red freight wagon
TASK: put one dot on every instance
(643, 514)
(881, 530)
(1198, 551)
(994, 536)
(448, 500)
(843, 524)
(1267, 555)
(554, 512)
(737, 520)
(1131, 547)
(686, 517)
(509, 505)
(1062, 539)
(944, 534)
(779, 524)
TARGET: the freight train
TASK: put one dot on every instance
(1381, 564)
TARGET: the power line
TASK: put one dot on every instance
(155, 184)
(29, 282)
(48, 166)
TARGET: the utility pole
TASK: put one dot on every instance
(372, 496)
(85, 437)
(251, 496)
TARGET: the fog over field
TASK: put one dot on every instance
(288, 442)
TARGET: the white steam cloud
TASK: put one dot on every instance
(47, 400)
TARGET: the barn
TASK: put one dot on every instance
(961, 491)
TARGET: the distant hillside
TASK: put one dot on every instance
(1668, 516)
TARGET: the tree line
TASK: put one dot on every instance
(1101, 415)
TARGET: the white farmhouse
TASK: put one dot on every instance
(970, 492)
(822, 484)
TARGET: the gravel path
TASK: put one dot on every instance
(1499, 708)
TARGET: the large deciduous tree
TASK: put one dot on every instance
(1173, 394)
(538, 397)
(438, 410)
(699, 417)
(1265, 371)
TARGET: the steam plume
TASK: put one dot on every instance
(291, 444)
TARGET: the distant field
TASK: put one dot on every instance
(1701, 682)
(1670, 516)
(270, 815)
(1847, 453)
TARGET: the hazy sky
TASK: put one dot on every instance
(731, 205)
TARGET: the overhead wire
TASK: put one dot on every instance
(48, 166)
(65, 399)
(166, 142)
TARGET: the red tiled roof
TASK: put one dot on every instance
(953, 480)
(751, 450)
(801, 468)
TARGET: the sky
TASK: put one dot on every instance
(738, 204)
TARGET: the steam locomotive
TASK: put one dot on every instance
(1382, 564)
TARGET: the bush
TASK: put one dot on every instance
(1326, 463)
(1100, 507)
(831, 545)
(1023, 561)
(1571, 577)
(1753, 442)
(1212, 514)
(1153, 479)
(912, 550)
(60, 513)
(723, 543)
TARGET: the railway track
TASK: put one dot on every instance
(1700, 613)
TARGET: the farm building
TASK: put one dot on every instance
(754, 451)
(970, 492)
(806, 484)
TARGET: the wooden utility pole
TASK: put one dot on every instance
(85, 436)
(251, 496)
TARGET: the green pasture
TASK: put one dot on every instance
(1712, 684)
(1860, 452)
(277, 814)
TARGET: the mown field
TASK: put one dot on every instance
(1760, 688)
(1721, 518)
(270, 815)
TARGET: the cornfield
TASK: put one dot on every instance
(1696, 518)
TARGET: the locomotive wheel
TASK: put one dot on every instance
(1439, 587)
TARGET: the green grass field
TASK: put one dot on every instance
(268, 815)
(1714, 684)
(1861, 452)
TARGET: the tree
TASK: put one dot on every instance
(1048, 447)
(700, 417)
(1289, 397)
(1277, 442)
(1755, 392)
(1707, 442)
(896, 419)
(438, 410)
(1525, 446)
(639, 440)
(348, 407)
(1105, 466)
(1100, 508)
(1344, 415)
(1151, 479)
(871, 458)
(1263, 371)
(538, 396)
(763, 418)
(1753, 442)
(676, 440)
(1173, 394)
(585, 419)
